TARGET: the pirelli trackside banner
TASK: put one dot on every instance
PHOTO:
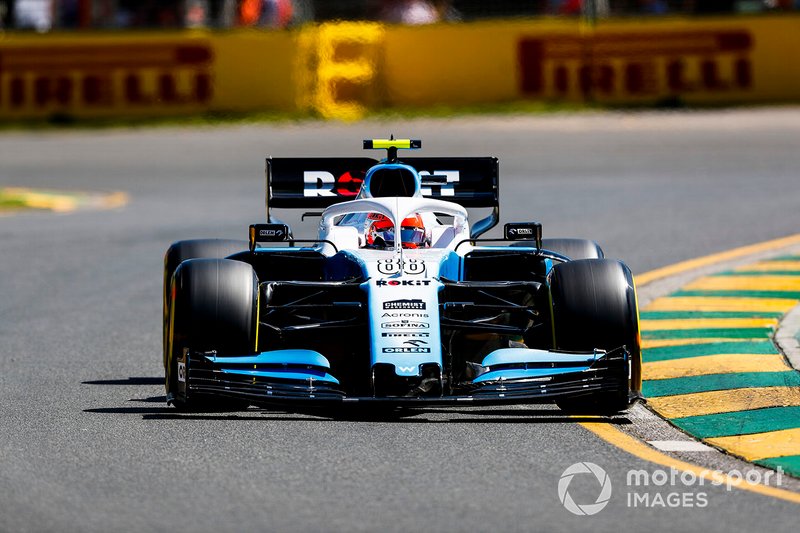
(341, 70)
(703, 60)
(144, 74)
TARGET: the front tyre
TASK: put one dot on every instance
(213, 307)
(594, 306)
(179, 252)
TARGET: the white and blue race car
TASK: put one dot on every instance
(397, 299)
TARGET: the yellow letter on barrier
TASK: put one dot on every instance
(347, 68)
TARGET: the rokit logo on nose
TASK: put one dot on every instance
(402, 282)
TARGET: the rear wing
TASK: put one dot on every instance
(316, 183)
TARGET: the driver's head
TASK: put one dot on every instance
(412, 232)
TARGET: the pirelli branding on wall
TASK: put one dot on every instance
(625, 65)
(145, 76)
(647, 61)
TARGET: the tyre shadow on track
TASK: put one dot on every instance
(127, 381)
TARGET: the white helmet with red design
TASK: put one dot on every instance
(381, 233)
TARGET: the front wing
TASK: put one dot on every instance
(205, 374)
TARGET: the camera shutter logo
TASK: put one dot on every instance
(590, 508)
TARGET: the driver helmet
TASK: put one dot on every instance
(412, 232)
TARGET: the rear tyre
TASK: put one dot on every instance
(572, 248)
(214, 308)
(594, 306)
(192, 249)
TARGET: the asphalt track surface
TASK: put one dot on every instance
(87, 443)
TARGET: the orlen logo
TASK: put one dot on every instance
(406, 350)
(270, 233)
(322, 183)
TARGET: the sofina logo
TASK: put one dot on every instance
(602, 498)
(405, 324)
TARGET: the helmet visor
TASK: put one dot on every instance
(412, 236)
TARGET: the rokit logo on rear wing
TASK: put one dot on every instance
(318, 182)
(323, 183)
(439, 183)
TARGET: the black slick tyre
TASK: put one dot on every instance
(179, 252)
(594, 306)
(572, 248)
(213, 307)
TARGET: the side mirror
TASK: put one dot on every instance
(267, 233)
(524, 231)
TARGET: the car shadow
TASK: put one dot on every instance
(347, 413)
(417, 416)
(151, 399)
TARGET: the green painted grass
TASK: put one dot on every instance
(740, 422)
(789, 295)
(739, 380)
(785, 258)
(670, 315)
(710, 333)
(666, 353)
(11, 202)
(790, 464)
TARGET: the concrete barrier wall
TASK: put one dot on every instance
(340, 70)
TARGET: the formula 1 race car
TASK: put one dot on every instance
(397, 299)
